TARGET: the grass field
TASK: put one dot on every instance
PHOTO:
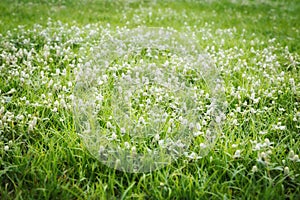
(254, 46)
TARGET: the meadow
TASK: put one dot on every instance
(52, 52)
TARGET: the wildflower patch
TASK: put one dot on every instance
(144, 95)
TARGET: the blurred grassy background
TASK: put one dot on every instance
(280, 19)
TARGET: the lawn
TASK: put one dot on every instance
(207, 92)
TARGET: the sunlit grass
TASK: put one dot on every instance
(255, 47)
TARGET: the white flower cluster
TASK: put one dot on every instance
(152, 88)
(132, 87)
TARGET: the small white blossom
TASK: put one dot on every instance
(123, 130)
(109, 125)
(6, 148)
(296, 158)
(161, 143)
(198, 126)
(32, 124)
(286, 170)
(203, 146)
(218, 119)
(127, 145)
(101, 149)
(254, 169)
(114, 136)
(237, 154)
(156, 137)
(197, 133)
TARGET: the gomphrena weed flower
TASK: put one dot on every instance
(144, 95)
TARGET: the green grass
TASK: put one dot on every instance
(48, 160)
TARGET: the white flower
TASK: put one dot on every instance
(283, 162)
(169, 129)
(1, 110)
(56, 103)
(198, 126)
(113, 136)
(50, 82)
(63, 103)
(6, 148)
(203, 146)
(69, 84)
(133, 149)
(257, 147)
(254, 169)
(156, 137)
(20, 117)
(191, 126)
(101, 149)
(32, 124)
(127, 145)
(193, 155)
(161, 143)
(218, 119)
(235, 122)
(237, 154)
(291, 154)
(286, 170)
(269, 152)
(282, 128)
(197, 133)
(296, 158)
(123, 130)
(109, 125)
(142, 120)
(263, 132)
(263, 155)
(267, 142)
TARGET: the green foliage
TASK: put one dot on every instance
(42, 157)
